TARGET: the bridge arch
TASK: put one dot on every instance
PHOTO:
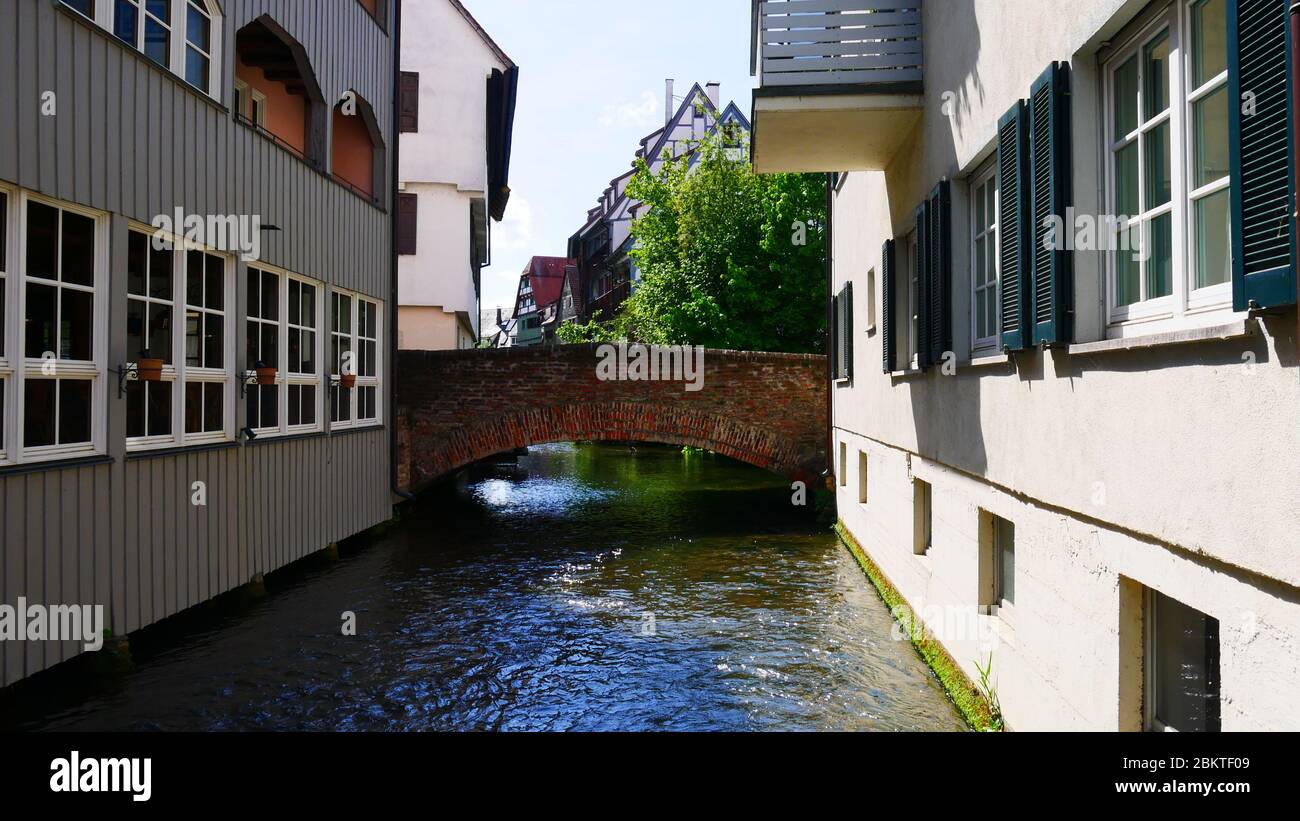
(457, 407)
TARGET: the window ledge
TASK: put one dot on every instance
(985, 359)
(907, 374)
(1232, 330)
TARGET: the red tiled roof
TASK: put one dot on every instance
(547, 277)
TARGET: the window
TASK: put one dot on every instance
(1004, 562)
(250, 103)
(5, 368)
(922, 517)
(52, 364)
(182, 36)
(284, 317)
(354, 351)
(176, 298)
(842, 350)
(407, 223)
(409, 102)
(984, 258)
(871, 301)
(1182, 692)
(1168, 178)
(844, 465)
(913, 301)
(862, 477)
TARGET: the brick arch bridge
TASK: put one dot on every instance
(457, 407)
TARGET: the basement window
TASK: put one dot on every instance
(844, 465)
(1182, 647)
(862, 477)
(922, 517)
(997, 564)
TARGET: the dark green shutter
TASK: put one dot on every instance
(938, 288)
(922, 307)
(1014, 235)
(1263, 156)
(846, 298)
(835, 336)
(888, 264)
(1049, 152)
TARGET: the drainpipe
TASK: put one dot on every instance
(830, 333)
(1295, 131)
(396, 140)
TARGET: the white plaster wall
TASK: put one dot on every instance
(439, 272)
(454, 64)
(1177, 466)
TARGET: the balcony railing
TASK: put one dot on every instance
(870, 43)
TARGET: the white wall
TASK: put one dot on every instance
(1177, 467)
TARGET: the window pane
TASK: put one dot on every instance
(254, 292)
(1209, 40)
(1006, 537)
(368, 358)
(295, 301)
(86, 7)
(295, 405)
(135, 412)
(196, 69)
(196, 27)
(270, 296)
(1213, 239)
(307, 316)
(252, 341)
(160, 9)
(295, 351)
(3, 385)
(1186, 666)
(125, 20)
(269, 347)
(214, 341)
(308, 404)
(1126, 181)
(269, 397)
(160, 332)
(214, 407)
(42, 308)
(251, 407)
(194, 408)
(157, 41)
(1159, 182)
(42, 241)
(160, 408)
(367, 401)
(1210, 128)
(76, 325)
(137, 263)
(78, 257)
(74, 411)
(1128, 277)
(1155, 58)
(1126, 98)
(194, 278)
(1160, 279)
(308, 352)
(135, 329)
(160, 273)
(38, 412)
(215, 291)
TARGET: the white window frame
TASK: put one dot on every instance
(282, 376)
(1187, 306)
(913, 292)
(105, 18)
(178, 373)
(986, 176)
(7, 335)
(355, 340)
(19, 367)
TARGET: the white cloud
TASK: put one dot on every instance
(515, 232)
(644, 114)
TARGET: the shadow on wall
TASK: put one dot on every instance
(945, 409)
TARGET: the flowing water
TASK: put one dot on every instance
(592, 587)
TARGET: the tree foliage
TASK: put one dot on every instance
(728, 258)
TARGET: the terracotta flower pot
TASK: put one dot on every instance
(348, 381)
(266, 376)
(149, 370)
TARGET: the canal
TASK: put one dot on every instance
(589, 588)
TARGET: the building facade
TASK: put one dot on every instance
(457, 120)
(537, 301)
(1065, 348)
(196, 280)
(606, 272)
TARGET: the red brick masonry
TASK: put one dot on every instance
(456, 407)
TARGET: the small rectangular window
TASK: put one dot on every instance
(922, 517)
(407, 223)
(409, 102)
(862, 477)
(985, 269)
(263, 326)
(844, 465)
(997, 563)
(871, 301)
(1182, 667)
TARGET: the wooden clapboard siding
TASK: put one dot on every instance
(133, 141)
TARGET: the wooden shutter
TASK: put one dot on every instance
(1262, 154)
(409, 102)
(922, 307)
(938, 289)
(846, 300)
(888, 266)
(407, 223)
(1014, 235)
(1049, 152)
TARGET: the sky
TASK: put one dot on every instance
(591, 86)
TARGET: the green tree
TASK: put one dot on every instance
(728, 258)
